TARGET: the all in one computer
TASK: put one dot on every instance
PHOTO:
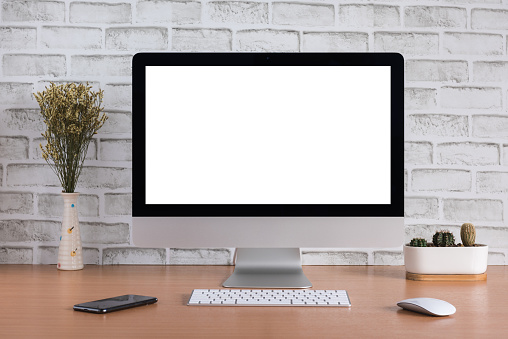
(268, 153)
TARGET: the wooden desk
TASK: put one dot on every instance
(36, 301)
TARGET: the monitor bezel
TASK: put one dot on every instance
(394, 60)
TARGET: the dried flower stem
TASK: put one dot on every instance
(72, 114)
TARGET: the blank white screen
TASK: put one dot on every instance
(268, 135)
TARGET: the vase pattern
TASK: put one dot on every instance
(70, 251)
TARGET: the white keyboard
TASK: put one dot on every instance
(236, 297)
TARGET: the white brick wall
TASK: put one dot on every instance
(456, 109)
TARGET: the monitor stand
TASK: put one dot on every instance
(268, 268)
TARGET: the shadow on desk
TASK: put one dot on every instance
(395, 272)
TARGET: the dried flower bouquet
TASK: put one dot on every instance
(72, 114)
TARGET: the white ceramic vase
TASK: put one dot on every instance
(446, 260)
(70, 252)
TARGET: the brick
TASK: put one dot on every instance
(388, 258)
(101, 65)
(473, 43)
(14, 148)
(118, 96)
(425, 16)
(474, 1)
(485, 126)
(16, 255)
(139, 38)
(134, 256)
(441, 180)
(467, 153)
(118, 204)
(496, 259)
(407, 43)
(492, 182)
(104, 233)
(421, 208)
(495, 237)
(116, 150)
(238, 12)
(473, 210)
(87, 38)
(51, 205)
(211, 256)
(154, 11)
(362, 16)
(471, 97)
(48, 255)
(29, 230)
(436, 70)
(490, 71)
(18, 38)
(334, 258)
(26, 120)
(91, 153)
(15, 93)
(28, 175)
(191, 40)
(100, 13)
(105, 177)
(118, 122)
(267, 40)
(302, 14)
(185, 12)
(16, 203)
(23, 11)
(441, 125)
(420, 98)
(485, 18)
(418, 153)
(335, 42)
(34, 65)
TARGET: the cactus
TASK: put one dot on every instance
(443, 239)
(418, 242)
(468, 234)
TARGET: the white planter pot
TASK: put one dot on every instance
(446, 260)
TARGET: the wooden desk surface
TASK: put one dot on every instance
(36, 301)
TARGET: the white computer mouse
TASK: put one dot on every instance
(429, 306)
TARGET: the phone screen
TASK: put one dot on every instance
(115, 303)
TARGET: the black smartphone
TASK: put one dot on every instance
(115, 304)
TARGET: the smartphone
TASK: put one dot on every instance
(115, 304)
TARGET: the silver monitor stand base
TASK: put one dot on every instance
(268, 268)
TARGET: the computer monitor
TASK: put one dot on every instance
(268, 153)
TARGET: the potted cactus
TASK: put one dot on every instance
(443, 256)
